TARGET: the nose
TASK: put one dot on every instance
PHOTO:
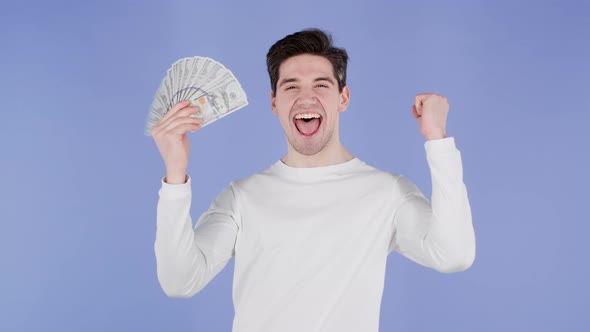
(306, 97)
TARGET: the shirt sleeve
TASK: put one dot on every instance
(189, 258)
(440, 234)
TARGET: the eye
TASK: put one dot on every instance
(290, 87)
(321, 85)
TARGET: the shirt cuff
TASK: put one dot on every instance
(440, 146)
(175, 191)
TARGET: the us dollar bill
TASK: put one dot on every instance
(206, 83)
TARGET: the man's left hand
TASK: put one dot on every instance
(431, 112)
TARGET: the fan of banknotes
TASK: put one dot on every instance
(203, 81)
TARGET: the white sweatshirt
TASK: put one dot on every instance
(311, 244)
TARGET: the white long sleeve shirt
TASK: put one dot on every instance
(311, 244)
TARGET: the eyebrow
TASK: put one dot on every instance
(292, 80)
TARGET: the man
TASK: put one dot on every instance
(311, 234)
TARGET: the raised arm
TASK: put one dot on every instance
(440, 234)
(189, 258)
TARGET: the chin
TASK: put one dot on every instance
(308, 150)
(309, 146)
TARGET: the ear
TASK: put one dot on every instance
(344, 99)
(273, 105)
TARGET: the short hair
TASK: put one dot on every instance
(308, 41)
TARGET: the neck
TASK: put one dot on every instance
(333, 153)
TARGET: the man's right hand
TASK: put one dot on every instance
(171, 138)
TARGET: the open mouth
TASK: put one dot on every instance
(307, 123)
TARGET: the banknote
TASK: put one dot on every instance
(203, 81)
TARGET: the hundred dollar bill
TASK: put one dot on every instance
(203, 81)
(217, 102)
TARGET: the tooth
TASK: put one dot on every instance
(307, 116)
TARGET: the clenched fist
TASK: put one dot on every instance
(170, 134)
(431, 112)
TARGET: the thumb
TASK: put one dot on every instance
(417, 113)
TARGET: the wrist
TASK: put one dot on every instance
(438, 134)
(176, 178)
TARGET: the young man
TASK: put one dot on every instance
(311, 234)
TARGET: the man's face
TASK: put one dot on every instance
(308, 103)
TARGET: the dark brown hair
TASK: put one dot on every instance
(309, 41)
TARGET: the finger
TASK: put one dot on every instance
(418, 99)
(181, 121)
(421, 98)
(196, 128)
(187, 111)
(163, 129)
(415, 112)
(168, 115)
(186, 127)
(178, 106)
(183, 113)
